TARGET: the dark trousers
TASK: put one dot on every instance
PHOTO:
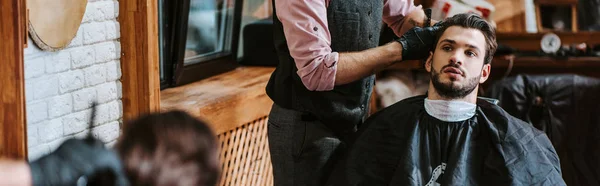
(303, 149)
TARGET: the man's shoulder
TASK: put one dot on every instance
(510, 129)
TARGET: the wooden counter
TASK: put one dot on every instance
(226, 101)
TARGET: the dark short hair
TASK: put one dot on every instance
(471, 20)
(171, 148)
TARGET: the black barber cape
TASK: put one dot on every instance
(403, 145)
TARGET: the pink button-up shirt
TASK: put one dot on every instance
(309, 41)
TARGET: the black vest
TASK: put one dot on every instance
(354, 25)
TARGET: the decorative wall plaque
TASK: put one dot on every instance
(54, 23)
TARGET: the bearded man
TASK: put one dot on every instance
(449, 136)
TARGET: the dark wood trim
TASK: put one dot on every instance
(531, 41)
(138, 21)
(13, 131)
(195, 72)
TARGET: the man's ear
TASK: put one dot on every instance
(485, 73)
(429, 62)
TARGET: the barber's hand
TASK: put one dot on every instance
(417, 42)
(76, 159)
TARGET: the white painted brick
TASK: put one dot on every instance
(56, 143)
(95, 75)
(33, 139)
(113, 71)
(38, 151)
(51, 131)
(77, 40)
(71, 80)
(107, 132)
(59, 93)
(119, 90)
(106, 51)
(88, 15)
(105, 9)
(82, 57)
(113, 30)
(45, 86)
(116, 110)
(33, 51)
(116, 9)
(76, 122)
(34, 67)
(99, 9)
(103, 113)
(83, 134)
(31, 48)
(82, 99)
(94, 32)
(28, 91)
(59, 62)
(37, 111)
(107, 92)
(60, 105)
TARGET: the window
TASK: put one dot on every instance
(209, 30)
(196, 39)
(201, 38)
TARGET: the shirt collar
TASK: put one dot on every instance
(450, 111)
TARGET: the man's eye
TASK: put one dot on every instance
(470, 54)
(446, 48)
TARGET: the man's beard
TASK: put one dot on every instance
(450, 90)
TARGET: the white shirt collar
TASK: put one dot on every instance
(450, 111)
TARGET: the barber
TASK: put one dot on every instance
(328, 53)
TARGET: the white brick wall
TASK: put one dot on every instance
(60, 86)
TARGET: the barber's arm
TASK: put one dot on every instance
(402, 15)
(309, 41)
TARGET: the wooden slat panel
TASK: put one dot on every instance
(13, 135)
(139, 58)
(245, 156)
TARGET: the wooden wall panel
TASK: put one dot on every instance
(509, 15)
(13, 134)
(138, 20)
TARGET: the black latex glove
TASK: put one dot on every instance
(76, 159)
(417, 42)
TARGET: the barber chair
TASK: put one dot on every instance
(567, 108)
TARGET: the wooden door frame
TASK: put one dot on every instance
(138, 20)
(13, 32)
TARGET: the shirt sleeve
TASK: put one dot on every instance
(394, 12)
(309, 41)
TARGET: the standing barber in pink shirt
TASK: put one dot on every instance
(328, 52)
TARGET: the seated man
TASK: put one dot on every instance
(449, 136)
